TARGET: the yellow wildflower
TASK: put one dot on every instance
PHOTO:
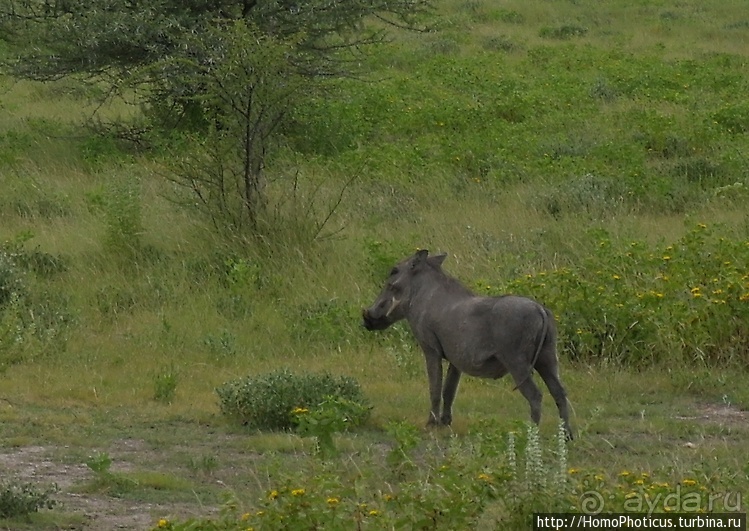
(333, 501)
(630, 495)
(573, 471)
(689, 483)
(245, 517)
(298, 492)
(299, 410)
(484, 477)
(374, 512)
(273, 494)
(624, 473)
(163, 523)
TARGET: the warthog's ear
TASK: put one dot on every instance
(437, 259)
(419, 258)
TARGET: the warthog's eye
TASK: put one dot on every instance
(394, 271)
(394, 287)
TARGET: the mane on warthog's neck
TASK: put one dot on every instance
(448, 283)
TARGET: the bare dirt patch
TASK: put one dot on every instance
(39, 466)
(718, 413)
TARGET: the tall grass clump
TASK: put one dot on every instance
(34, 320)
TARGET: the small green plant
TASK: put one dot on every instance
(99, 462)
(105, 480)
(407, 437)
(205, 464)
(22, 499)
(165, 384)
(332, 415)
(267, 401)
(222, 345)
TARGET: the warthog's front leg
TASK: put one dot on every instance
(448, 394)
(434, 373)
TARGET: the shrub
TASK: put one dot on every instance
(267, 401)
(332, 415)
(634, 304)
(22, 499)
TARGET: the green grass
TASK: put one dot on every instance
(509, 138)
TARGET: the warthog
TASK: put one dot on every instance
(480, 336)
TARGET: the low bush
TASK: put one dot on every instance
(22, 499)
(635, 304)
(267, 402)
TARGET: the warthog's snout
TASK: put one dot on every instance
(371, 322)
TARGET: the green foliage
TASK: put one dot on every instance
(453, 487)
(566, 31)
(332, 415)
(488, 479)
(165, 384)
(11, 279)
(123, 217)
(23, 499)
(636, 305)
(266, 402)
(34, 321)
(99, 463)
(332, 322)
(407, 438)
(113, 483)
(380, 257)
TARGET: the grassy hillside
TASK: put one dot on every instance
(593, 156)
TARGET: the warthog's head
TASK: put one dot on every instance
(395, 297)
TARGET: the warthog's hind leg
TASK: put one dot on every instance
(550, 375)
(532, 394)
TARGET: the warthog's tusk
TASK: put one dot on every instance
(393, 306)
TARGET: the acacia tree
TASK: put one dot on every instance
(243, 80)
(228, 72)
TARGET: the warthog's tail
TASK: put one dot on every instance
(544, 331)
